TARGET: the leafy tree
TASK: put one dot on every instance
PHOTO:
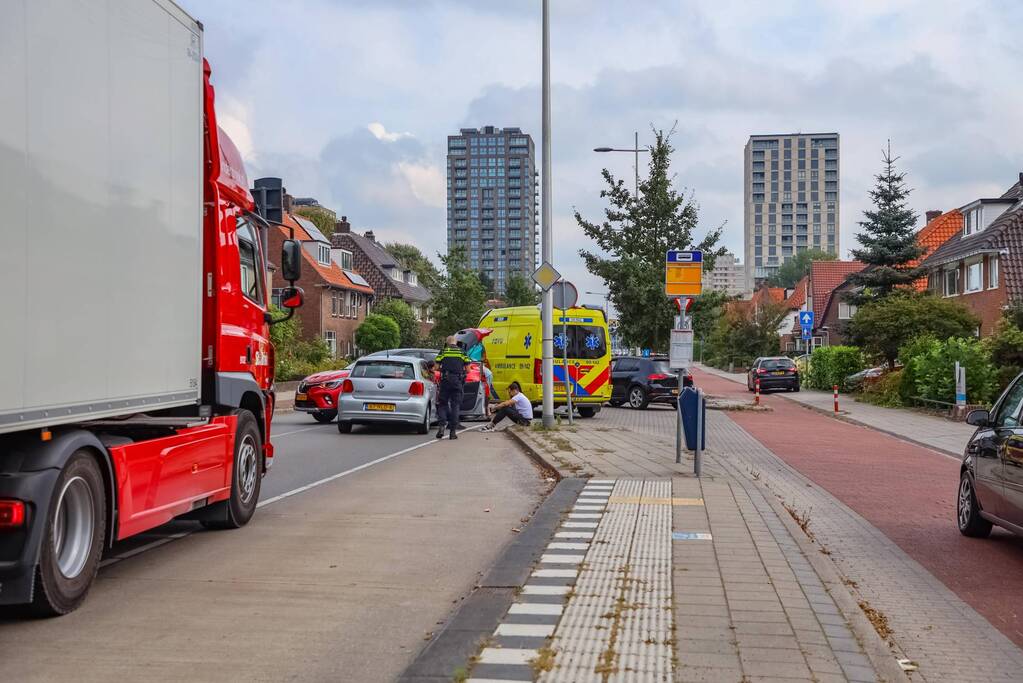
(401, 313)
(706, 310)
(410, 257)
(935, 370)
(831, 365)
(888, 237)
(742, 333)
(635, 234)
(798, 267)
(376, 333)
(882, 327)
(1006, 345)
(520, 291)
(322, 218)
(459, 300)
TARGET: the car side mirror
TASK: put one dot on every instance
(292, 297)
(291, 260)
(978, 418)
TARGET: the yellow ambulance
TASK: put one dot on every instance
(514, 352)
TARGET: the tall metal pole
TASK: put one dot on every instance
(636, 147)
(547, 245)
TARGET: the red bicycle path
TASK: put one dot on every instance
(906, 491)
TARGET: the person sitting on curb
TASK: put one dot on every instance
(517, 408)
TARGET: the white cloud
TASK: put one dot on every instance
(426, 181)
(380, 133)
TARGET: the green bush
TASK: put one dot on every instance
(830, 365)
(376, 333)
(909, 355)
(934, 369)
(1006, 348)
(885, 391)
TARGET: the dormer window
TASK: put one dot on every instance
(410, 277)
(973, 221)
(323, 254)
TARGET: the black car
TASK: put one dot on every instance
(774, 372)
(640, 381)
(991, 476)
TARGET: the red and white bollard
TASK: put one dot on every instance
(836, 399)
(756, 396)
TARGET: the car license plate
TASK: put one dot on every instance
(385, 407)
(300, 397)
(778, 372)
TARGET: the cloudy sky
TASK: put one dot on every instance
(350, 100)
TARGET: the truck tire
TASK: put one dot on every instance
(246, 476)
(74, 537)
(324, 416)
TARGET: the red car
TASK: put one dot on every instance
(317, 394)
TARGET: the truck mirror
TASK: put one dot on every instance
(291, 260)
(292, 297)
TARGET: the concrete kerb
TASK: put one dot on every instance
(473, 622)
(876, 649)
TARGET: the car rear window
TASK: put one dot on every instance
(384, 369)
(777, 364)
(661, 366)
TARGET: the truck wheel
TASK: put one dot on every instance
(73, 541)
(324, 416)
(587, 411)
(246, 475)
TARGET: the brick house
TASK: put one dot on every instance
(383, 272)
(826, 289)
(982, 265)
(336, 297)
(940, 228)
(790, 330)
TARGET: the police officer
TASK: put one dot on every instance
(453, 363)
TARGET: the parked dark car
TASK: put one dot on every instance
(991, 476)
(774, 372)
(639, 381)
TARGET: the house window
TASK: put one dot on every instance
(952, 282)
(333, 305)
(972, 222)
(974, 276)
(846, 311)
(992, 272)
(323, 254)
(331, 338)
(347, 260)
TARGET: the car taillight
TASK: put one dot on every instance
(537, 371)
(12, 514)
(657, 376)
(347, 387)
(416, 388)
(761, 371)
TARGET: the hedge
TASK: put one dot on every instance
(830, 365)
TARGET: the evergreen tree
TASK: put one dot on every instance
(888, 237)
(519, 291)
(632, 240)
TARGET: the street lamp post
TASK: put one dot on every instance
(547, 307)
(635, 150)
(607, 297)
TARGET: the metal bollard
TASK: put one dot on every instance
(756, 396)
(836, 399)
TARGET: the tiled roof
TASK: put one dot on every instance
(1016, 191)
(382, 258)
(825, 276)
(937, 231)
(331, 274)
(1004, 234)
(798, 296)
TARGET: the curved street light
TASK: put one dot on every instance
(635, 150)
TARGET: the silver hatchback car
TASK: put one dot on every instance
(393, 389)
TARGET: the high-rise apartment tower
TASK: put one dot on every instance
(791, 192)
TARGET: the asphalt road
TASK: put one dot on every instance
(363, 545)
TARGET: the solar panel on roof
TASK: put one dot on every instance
(356, 278)
(311, 228)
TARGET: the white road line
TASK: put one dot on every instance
(528, 630)
(579, 525)
(561, 559)
(568, 546)
(535, 608)
(507, 655)
(589, 507)
(555, 573)
(295, 431)
(584, 515)
(545, 590)
(574, 534)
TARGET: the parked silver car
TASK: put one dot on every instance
(393, 389)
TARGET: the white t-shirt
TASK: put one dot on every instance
(523, 406)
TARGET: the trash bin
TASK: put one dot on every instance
(688, 401)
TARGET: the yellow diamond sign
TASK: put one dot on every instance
(546, 276)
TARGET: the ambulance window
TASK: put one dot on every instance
(587, 341)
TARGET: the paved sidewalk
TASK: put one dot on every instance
(748, 599)
(930, 431)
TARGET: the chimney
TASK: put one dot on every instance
(370, 236)
(932, 214)
(288, 202)
(342, 225)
